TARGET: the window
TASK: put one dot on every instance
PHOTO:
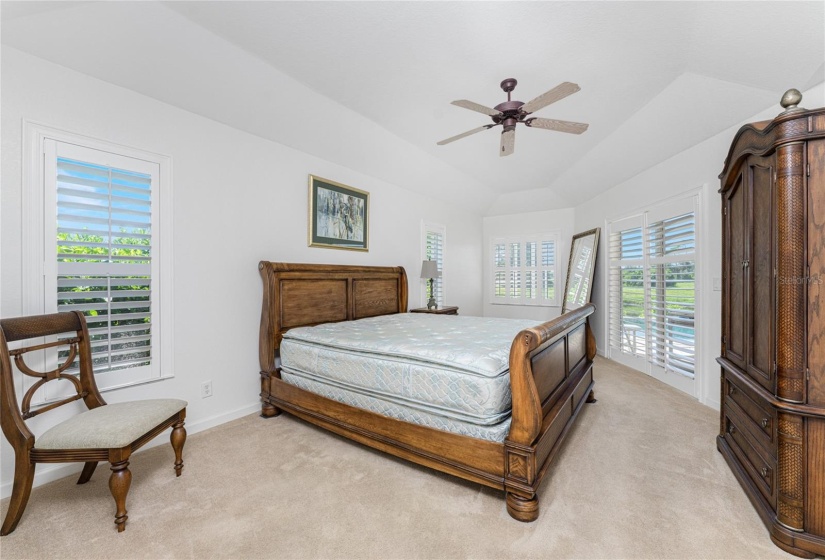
(105, 252)
(525, 270)
(627, 287)
(672, 264)
(653, 292)
(434, 246)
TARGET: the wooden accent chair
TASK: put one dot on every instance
(103, 433)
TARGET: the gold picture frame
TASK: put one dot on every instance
(338, 215)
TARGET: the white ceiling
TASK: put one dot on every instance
(656, 78)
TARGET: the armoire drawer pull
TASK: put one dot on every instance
(765, 422)
(731, 390)
(764, 472)
(731, 429)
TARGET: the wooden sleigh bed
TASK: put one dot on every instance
(551, 377)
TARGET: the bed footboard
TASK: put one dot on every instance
(551, 377)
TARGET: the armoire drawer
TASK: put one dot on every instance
(760, 467)
(760, 417)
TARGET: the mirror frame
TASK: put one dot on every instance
(595, 232)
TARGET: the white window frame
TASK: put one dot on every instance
(633, 222)
(441, 230)
(644, 217)
(39, 245)
(522, 240)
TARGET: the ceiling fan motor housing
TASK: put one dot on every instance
(510, 114)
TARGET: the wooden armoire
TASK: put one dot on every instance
(773, 322)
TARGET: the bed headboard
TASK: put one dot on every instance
(297, 295)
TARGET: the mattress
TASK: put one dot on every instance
(450, 373)
(496, 432)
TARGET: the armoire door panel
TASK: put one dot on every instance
(735, 273)
(759, 272)
(816, 273)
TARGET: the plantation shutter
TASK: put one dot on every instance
(434, 251)
(671, 244)
(104, 253)
(499, 270)
(627, 287)
(548, 270)
(524, 270)
(514, 284)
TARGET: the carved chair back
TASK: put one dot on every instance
(14, 414)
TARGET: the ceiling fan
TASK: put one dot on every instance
(510, 113)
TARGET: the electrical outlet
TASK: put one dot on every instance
(206, 389)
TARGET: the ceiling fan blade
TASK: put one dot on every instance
(560, 126)
(463, 134)
(508, 142)
(476, 107)
(559, 92)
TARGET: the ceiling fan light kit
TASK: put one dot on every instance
(510, 113)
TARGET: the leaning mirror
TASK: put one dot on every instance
(580, 269)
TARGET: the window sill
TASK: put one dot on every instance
(516, 304)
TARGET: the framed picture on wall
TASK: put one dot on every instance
(338, 215)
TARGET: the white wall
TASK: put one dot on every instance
(695, 168)
(549, 221)
(256, 191)
(238, 199)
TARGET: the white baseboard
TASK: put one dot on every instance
(49, 473)
(223, 418)
(712, 403)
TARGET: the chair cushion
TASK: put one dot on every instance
(110, 426)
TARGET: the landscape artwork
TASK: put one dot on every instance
(338, 215)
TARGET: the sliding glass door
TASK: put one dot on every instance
(653, 292)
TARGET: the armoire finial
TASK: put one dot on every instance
(790, 100)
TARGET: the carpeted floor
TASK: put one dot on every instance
(639, 477)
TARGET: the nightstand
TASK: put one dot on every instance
(439, 311)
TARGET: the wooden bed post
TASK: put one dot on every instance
(266, 338)
(547, 367)
(520, 455)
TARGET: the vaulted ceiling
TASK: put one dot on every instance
(655, 77)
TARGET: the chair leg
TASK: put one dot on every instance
(119, 483)
(22, 489)
(178, 438)
(88, 471)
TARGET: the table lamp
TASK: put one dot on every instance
(429, 269)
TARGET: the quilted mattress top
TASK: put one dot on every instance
(476, 345)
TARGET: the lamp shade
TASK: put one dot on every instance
(429, 269)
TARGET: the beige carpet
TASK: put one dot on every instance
(640, 477)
